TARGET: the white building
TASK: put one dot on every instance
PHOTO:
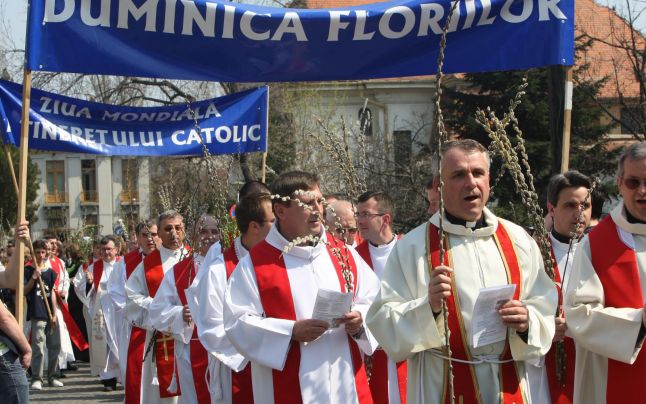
(84, 189)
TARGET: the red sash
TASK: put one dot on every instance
(230, 259)
(97, 273)
(136, 343)
(276, 297)
(379, 372)
(184, 272)
(464, 377)
(616, 266)
(561, 392)
(164, 347)
(241, 385)
(57, 266)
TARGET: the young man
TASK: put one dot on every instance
(170, 314)
(482, 251)
(271, 294)
(141, 288)
(569, 206)
(91, 287)
(43, 327)
(131, 338)
(254, 218)
(375, 215)
(604, 304)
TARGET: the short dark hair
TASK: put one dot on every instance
(106, 239)
(252, 187)
(41, 244)
(599, 198)
(468, 146)
(249, 209)
(384, 201)
(288, 183)
(568, 179)
(144, 225)
(49, 237)
(168, 214)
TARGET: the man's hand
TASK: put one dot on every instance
(353, 322)
(36, 274)
(186, 314)
(308, 330)
(53, 323)
(439, 287)
(515, 315)
(89, 277)
(22, 232)
(561, 327)
(25, 359)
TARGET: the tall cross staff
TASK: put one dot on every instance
(441, 138)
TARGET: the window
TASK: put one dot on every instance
(55, 175)
(630, 117)
(365, 121)
(88, 181)
(129, 180)
(403, 147)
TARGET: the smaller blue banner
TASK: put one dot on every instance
(231, 124)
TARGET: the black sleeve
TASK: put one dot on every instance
(29, 271)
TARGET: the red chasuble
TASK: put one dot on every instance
(616, 266)
(241, 385)
(76, 336)
(464, 377)
(164, 346)
(379, 372)
(561, 391)
(276, 298)
(136, 343)
(184, 272)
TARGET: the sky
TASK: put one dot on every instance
(16, 11)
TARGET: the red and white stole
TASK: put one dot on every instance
(97, 273)
(276, 298)
(561, 392)
(184, 272)
(379, 372)
(58, 267)
(136, 343)
(164, 347)
(616, 266)
(464, 376)
(241, 385)
(76, 336)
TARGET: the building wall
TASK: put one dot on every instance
(108, 207)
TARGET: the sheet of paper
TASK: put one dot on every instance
(486, 325)
(331, 306)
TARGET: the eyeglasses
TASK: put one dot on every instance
(366, 215)
(351, 230)
(633, 183)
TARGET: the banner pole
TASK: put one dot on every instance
(11, 170)
(22, 191)
(264, 155)
(567, 120)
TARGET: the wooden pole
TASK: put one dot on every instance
(264, 155)
(567, 120)
(11, 170)
(22, 192)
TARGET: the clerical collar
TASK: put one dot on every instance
(385, 244)
(561, 238)
(633, 219)
(478, 224)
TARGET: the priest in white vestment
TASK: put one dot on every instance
(482, 251)
(170, 226)
(91, 287)
(604, 304)
(254, 218)
(288, 277)
(169, 315)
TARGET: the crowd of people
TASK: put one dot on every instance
(318, 300)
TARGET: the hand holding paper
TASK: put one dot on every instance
(331, 306)
(487, 325)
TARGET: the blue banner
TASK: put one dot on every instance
(227, 125)
(226, 41)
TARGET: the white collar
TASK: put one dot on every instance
(490, 219)
(275, 239)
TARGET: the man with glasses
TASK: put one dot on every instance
(342, 222)
(604, 304)
(375, 215)
(479, 251)
(91, 286)
(141, 288)
(254, 218)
